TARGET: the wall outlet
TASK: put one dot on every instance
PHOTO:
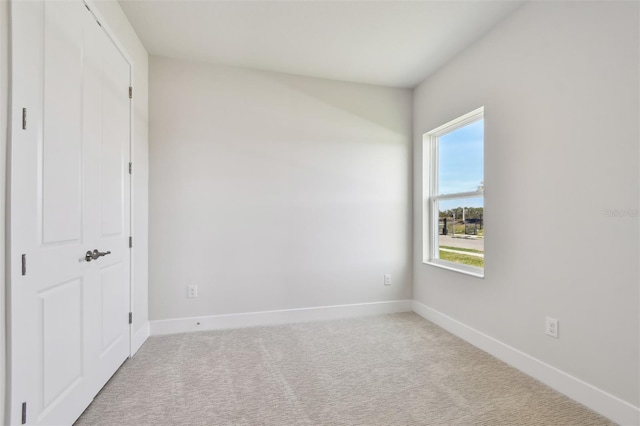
(551, 327)
(387, 279)
(192, 291)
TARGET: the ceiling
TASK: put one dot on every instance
(388, 43)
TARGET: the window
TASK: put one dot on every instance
(453, 193)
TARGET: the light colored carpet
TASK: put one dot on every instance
(394, 369)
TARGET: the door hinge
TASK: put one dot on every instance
(24, 264)
(92, 14)
(130, 242)
(130, 92)
(24, 413)
(130, 168)
(130, 317)
(24, 119)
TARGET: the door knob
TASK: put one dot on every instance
(94, 255)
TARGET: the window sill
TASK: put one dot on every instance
(456, 267)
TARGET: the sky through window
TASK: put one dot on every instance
(461, 160)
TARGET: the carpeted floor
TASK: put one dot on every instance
(394, 369)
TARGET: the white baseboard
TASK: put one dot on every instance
(286, 316)
(140, 337)
(598, 400)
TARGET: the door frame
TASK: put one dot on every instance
(12, 263)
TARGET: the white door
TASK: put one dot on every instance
(69, 192)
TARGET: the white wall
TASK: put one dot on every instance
(560, 85)
(4, 81)
(128, 40)
(271, 191)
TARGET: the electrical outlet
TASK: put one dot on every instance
(192, 291)
(551, 327)
(387, 279)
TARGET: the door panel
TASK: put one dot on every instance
(62, 339)
(62, 130)
(111, 312)
(69, 192)
(115, 146)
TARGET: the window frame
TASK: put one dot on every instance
(430, 253)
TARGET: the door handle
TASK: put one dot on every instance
(94, 255)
